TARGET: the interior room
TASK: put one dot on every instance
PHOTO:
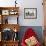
(22, 22)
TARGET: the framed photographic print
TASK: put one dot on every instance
(5, 12)
(30, 13)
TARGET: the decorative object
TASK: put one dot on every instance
(30, 13)
(12, 12)
(5, 12)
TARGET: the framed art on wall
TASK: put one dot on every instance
(5, 12)
(30, 13)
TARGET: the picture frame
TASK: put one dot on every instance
(5, 12)
(30, 13)
(13, 12)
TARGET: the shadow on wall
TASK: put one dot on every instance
(37, 29)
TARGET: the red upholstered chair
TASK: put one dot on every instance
(29, 33)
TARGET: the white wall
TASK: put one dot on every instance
(27, 4)
(32, 4)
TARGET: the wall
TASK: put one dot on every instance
(32, 4)
(26, 4)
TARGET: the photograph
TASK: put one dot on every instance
(30, 13)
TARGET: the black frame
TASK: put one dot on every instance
(30, 9)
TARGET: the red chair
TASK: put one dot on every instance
(29, 33)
